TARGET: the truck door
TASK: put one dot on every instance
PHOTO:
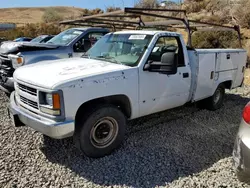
(160, 91)
(86, 42)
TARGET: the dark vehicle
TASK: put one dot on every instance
(69, 43)
(23, 39)
(42, 38)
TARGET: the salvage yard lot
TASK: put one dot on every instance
(184, 147)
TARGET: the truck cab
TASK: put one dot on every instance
(125, 75)
(69, 43)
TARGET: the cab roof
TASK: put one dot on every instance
(147, 32)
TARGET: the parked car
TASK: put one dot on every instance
(23, 39)
(70, 43)
(2, 39)
(241, 152)
(42, 38)
(125, 75)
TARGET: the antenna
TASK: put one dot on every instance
(123, 4)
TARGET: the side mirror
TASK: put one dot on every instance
(168, 64)
(147, 66)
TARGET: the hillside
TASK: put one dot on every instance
(21, 16)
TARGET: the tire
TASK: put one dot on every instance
(7, 94)
(243, 176)
(216, 101)
(100, 131)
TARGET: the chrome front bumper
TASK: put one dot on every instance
(53, 129)
(241, 153)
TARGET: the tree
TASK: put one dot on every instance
(92, 12)
(97, 11)
(112, 9)
(86, 11)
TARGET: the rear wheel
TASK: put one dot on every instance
(100, 131)
(216, 101)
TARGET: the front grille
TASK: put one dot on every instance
(27, 89)
(6, 68)
(29, 102)
(27, 97)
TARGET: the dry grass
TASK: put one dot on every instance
(247, 77)
(34, 15)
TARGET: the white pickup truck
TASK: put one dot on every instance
(125, 75)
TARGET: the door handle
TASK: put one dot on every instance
(185, 75)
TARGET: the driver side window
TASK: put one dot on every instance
(79, 46)
(171, 46)
(85, 43)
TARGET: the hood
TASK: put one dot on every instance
(14, 47)
(47, 74)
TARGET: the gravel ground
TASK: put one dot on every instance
(184, 147)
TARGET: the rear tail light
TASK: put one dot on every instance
(246, 113)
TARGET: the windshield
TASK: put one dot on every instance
(124, 49)
(38, 39)
(65, 37)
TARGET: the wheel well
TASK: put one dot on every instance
(121, 101)
(228, 84)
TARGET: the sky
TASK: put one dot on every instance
(91, 4)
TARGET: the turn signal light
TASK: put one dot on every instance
(246, 113)
(19, 60)
(56, 101)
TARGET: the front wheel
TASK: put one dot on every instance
(243, 176)
(100, 131)
(216, 101)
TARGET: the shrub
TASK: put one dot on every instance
(51, 15)
(215, 39)
(147, 4)
(97, 11)
(31, 30)
(194, 5)
(112, 9)
(242, 13)
(92, 12)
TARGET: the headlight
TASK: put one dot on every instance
(49, 99)
(51, 104)
(17, 60)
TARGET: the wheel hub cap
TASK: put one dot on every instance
(104, 132)
(217, 96)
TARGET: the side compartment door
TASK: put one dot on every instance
(206, 74)
(158, 90)
(240, 59)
